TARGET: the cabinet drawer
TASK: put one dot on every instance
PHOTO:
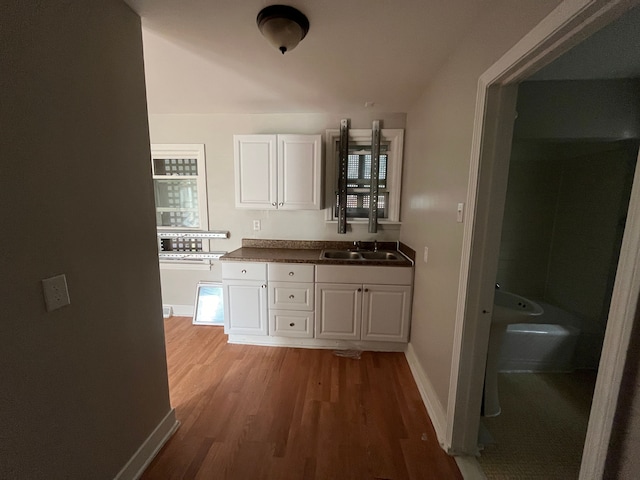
(244, 270)
(291, 296)
(291, 272)
(284, 323)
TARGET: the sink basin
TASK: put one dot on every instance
(383, 255)
(379, 256)
(341, 255)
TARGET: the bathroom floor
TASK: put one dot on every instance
(540, 432)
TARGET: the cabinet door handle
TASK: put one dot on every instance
(291, 296)
(292, 324)
(264, 286)
(244, 271)
(366, 289)
(359, 289)
(273, 204)
(291, 274)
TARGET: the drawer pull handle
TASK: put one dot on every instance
(291, 274)
(292, 324)
(292, 296)
(244, 271)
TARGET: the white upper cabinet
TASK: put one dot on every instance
(278, 172)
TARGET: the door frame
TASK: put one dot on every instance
(570, 23)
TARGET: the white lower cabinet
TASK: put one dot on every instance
(291, 300)
(363, 311)
(386, 312)
(358, 303)
(338, 311)
(244, 287)
(289, 323)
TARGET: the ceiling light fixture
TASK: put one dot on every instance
(283, 26)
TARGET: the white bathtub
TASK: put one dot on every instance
(549, 345)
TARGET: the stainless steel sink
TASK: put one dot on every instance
(341, 255)
(380, 256)
(361, 255)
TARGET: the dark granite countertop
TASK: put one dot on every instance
(288, 251)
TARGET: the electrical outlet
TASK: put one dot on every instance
(256, 225)
(55, 290)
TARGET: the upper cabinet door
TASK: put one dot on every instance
(299, 172)
(278, 172)
(256, 171)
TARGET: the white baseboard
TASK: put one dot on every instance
(434, 408)
(267, 340)
(182, 310)
(149, 449)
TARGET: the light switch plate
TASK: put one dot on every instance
(56, 294)
(460, 213)
(426, 254)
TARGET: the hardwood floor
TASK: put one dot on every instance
(251, 412)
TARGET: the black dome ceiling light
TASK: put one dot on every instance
(283, 26)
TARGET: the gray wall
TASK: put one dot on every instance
(83, 386)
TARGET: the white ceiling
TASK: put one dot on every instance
(207, 56)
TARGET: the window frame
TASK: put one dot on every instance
(394, 137)
(184, 151)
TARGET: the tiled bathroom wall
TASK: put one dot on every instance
(532, 197)
(563, 223)
(589, 222)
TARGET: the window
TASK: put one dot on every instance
(359, 174)
(180, 190)
(179, 184)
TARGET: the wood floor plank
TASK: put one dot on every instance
(250, 412)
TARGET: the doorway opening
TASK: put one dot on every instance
(497, 92)
(565, 211)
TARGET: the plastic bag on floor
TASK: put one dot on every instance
(355, 354)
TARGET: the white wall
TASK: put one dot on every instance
(437, 152)
(81, 387)
(216, 132)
